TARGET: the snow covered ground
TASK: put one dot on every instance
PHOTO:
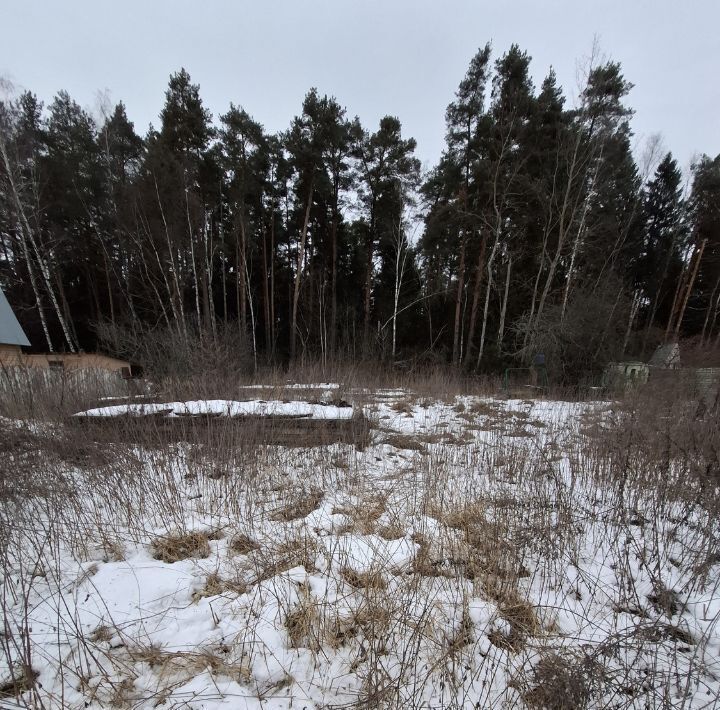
(479, 553)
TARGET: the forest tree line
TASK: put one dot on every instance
(537, 231)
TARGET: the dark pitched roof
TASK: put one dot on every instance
(667, 356)
(11, 333)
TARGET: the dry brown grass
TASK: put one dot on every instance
(215, 585)
(393, 531)
(299, 508)
(181, 546)
(373, 617)
(23, 679)
(364, 515)
(500, 506)
(403, 406)
(407, 442)
(272, 560)
(303, 624)
(102, 634)
(242, 544)
(560, 682)
(174, 664)
(372, 579)
(519, 614)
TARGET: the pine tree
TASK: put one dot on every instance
(243, 155)
(175, 188)
(73, 195)
(388, 174)
(702, 296)
(464, 119)
(660, 263)
(120, 151)
(306, 143)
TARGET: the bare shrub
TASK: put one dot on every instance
(194, 359)
(580, 338)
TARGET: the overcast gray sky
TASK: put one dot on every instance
(400, 57)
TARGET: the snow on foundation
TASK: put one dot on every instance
(224, 407)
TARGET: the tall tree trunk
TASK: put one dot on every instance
(272, 287)
(108, 283)
(457, 356)
(266, 291)
(27, 234)
(566, 217)
(483, 330)
(690, 285)
(673, 309)
(477, 290)
(712, 308)
(503, 310)
(252, 322)
(400, 261)
(536, 286)
(658, 292)
(209, 301)
(333, 280)
(35, 289)
(223, 277)
(633, 313)
(368, 293)
(298, 273)
(196, 283)
(71, 335)
(575, 249)
(176, 296)
(242, 273)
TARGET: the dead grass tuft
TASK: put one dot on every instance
(299, 508)
(363, 580)
(487, 409)
(241, 544)
(113, 551)
(464, 519)
(373, 619)
(102, 634)
(560, 682)
(403, 406)
(303, 625)
(659, 632)
(173, 548)
(22, 680)
(405, 441)
(191, 664)
(665, 601)
(122, 692)
(465, 635)
(215, 585)
(364, 515)
(296, 552)
(393, 531)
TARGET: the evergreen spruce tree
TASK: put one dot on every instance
(660, 263)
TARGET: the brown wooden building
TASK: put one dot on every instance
(13, 339)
